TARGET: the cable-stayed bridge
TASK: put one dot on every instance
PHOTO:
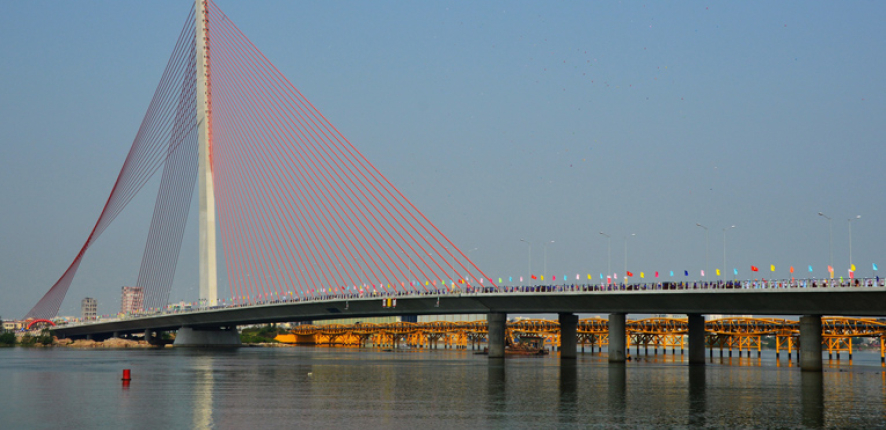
(310, 229)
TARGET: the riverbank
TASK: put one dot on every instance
(117, 343)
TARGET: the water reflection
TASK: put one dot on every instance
(362, 389)
(568, 407)
(617, 391)
(496, 399)
(204, 385)
(812, 399)
(697, 397)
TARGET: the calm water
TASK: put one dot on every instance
(366, 389)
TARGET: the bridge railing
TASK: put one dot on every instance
(806, 284)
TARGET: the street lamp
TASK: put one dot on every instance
(545, 254)
(626, 256)
(530, 256)
(724, 246)
(850, 238)
(830, 239)
(705, 245)
(609, 254)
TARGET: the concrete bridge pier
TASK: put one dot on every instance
(696, 339)
(617, 338)
(568, 336)
(810, 343)
(496, 323)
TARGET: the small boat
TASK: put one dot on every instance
(527, 345)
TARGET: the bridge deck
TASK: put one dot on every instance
(847, 301)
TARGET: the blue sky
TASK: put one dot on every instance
(500, 120)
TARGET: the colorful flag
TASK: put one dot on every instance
(521, 279)
(735, 271)
(601, 276)
(533, 277)
(542, 277)
(875, 266)
(852, 268)
(792, 269)
(755, 269)
(672, 273)
(656, 274)
(686, 272)
(771, 267)
(629, 274)
(642, 275)
(718, 272)
(810, 268)
(702, 273)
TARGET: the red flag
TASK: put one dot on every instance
(792, 269)
(533, 277)
(630, 274)
(656, 274)
(755, 269)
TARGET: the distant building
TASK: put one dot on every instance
(132, 301)
(88, 309)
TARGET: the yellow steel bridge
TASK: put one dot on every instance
(742, 333)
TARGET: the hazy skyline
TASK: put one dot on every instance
(500, 121)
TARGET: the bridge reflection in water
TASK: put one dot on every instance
(744, 334)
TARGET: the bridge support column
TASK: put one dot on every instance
(151, 339)
(496, 323)
(568, 335)
(617, 336)
(187, 336)
(810, 343)
(696, 339)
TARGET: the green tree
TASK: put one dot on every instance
(27, 340)
(7, 339)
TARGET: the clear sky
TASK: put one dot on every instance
(500, 120)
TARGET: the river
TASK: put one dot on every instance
(346, 388)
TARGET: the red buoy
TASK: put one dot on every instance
(126, 376)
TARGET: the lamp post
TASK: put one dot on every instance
(609, 254)
(626, 257)
(545, 254)
(724, 246)
(530, 256)
(830, 240)
(850, 239)
(705, 245)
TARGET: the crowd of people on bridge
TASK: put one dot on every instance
(754, 284)
(468, 289)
